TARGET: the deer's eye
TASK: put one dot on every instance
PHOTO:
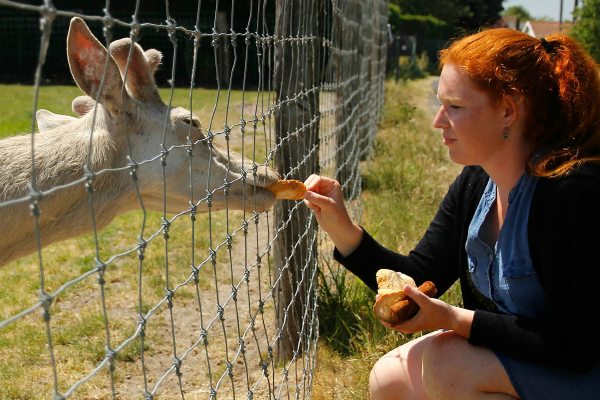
(192, 121)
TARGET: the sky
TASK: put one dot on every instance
(544, 8)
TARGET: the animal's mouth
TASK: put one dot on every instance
(238, 195)
(252, 198)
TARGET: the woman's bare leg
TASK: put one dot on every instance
(440, 365)
(397, 375)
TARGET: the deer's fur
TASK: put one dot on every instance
(123, 122)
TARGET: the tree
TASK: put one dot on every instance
(481, 13)
(467, 15)
(449, 11)
(518, 11)
(587, 28)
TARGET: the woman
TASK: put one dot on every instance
(519, 228)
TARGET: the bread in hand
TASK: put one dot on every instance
(289, 189)
(393, 305)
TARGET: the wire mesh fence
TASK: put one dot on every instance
(142, 255)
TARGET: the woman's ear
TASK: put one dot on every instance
(513, 109)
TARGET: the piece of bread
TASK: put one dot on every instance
(407, 308)
(393, 305)
(392, 281)
(389, 288)
(288, 189)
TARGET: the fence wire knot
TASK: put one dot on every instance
(164, 153)
(169, 297)
(46, 301)
(166, 225)
(177, 364)
(204, 336)
(47, 16)
(209, 199)
(142, 324)
(172, 30)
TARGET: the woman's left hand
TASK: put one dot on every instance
(434, 314)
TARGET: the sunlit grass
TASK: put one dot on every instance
(215, 109)
(85, 317)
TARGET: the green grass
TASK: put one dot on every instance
(78, 323)
(16, 104)
(403, 182)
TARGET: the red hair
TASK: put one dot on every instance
(558, 80)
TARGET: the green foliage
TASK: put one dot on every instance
(587, 28)
(466, 15)
(423, 26)
(344, 309)
(394, 17)
(480, 13)
(449, 11)
(434, 23)
(518, 11)
(408, 68)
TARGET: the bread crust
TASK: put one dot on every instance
(287, 189)
(406, 308)
(392, 304)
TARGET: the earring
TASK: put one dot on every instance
(505, 134)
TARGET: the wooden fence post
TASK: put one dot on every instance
(297, 74)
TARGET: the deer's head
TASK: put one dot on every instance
(123, 100)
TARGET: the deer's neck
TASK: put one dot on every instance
(60, 157)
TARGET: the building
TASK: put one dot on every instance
(509, 21)
(540, 29)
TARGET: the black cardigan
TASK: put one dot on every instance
(564, 241)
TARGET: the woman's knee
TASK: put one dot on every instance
(443, 350)
(441, 370)
(397, 375)
(384, 379)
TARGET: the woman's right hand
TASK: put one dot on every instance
(325, 197)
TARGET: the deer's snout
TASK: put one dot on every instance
(257, 196)
(263, 178)
(247, 190)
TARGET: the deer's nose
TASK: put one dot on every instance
(264, 177)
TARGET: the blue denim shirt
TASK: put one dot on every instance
(505, 273)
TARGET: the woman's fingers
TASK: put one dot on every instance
(411, 291)
(322, 185)
(311, 182)
(319, 200)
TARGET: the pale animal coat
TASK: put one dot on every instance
(122, 123)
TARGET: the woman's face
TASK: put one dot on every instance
(472, 123)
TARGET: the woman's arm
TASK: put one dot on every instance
(437, 256)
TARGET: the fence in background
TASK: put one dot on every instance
(197, 302)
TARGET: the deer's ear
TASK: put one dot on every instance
(136, 70)
(88, 61)
(47, 120)
(82, 105)
(153, 58)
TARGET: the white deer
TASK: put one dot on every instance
(123, 123)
